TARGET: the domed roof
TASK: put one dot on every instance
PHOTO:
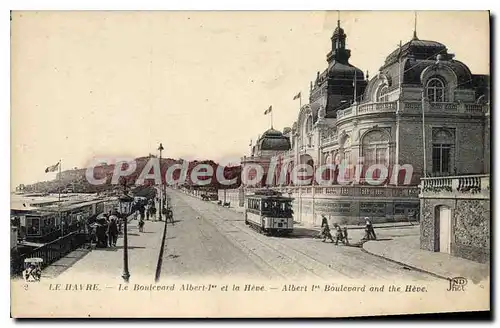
(344, 71)
(417, 54)
(339, 31)
(416, 49)
(274, 140)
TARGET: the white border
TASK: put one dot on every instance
(181, 5)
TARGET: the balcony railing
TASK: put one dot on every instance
(344, 113)
(467, 186)
(449, 107)
(377, 107)
(374, 107)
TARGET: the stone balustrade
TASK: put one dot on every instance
(474, 108)
(329, 139)
(447, 107)
(352, 191)
(412, 106)
(467, 186)
(377, 107)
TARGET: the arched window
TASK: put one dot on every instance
(347, 150)
(307, 139)
(308, 124)
(435, 90)
(383, 94)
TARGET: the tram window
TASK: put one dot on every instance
(33, 226)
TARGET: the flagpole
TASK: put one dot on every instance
(423, 134)
(300, 101)
(355, 87)
(271, 118)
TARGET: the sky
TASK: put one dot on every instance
(110, 84)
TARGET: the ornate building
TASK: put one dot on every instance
(365, 121)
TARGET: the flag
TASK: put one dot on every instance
(297, 96)
(269, 110)
(52, 168)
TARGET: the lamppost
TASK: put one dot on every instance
(125, 209)
(160, 148)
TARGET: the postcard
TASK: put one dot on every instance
(249, 164)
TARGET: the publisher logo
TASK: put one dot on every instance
(33, 269)
(457, 284)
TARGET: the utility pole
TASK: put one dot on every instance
(160, 148)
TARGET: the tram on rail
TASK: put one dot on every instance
(269, 212)
(44, 224)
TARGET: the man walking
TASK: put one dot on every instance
(113, 231)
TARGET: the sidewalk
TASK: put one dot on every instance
(406, 251)
(143, 250)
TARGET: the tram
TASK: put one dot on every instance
(268, 212)
(44, 224)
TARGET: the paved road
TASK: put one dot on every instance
(208, 240)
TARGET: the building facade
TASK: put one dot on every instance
(422, 98)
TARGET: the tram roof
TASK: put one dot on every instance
(73, 205)
(268, 194)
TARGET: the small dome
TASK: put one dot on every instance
(338, 31)
(274, 140)
(416, 49)
(343, 71)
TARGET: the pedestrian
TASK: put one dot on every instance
(338, 233)
(345, 236)
(369, 230)
(325, 230)
(141, 225)
(142, 209)
(170, 215)
(93, 235)
(113, 231)
(153, 212)
(102, 240)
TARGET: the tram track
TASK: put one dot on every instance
(313, 267)
(353, 267)
(318, 265)
(316, 261)
(256, 258)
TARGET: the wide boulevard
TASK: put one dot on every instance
(210, 240)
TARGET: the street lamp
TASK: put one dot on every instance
(160, 148)
(125, 211)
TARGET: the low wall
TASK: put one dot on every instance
(470, 227)
(308, 207)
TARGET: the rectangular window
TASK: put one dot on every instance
(381, 158)
(441, 158)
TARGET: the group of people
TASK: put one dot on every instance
(105, 230)
(341, 235)
(147, 210)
